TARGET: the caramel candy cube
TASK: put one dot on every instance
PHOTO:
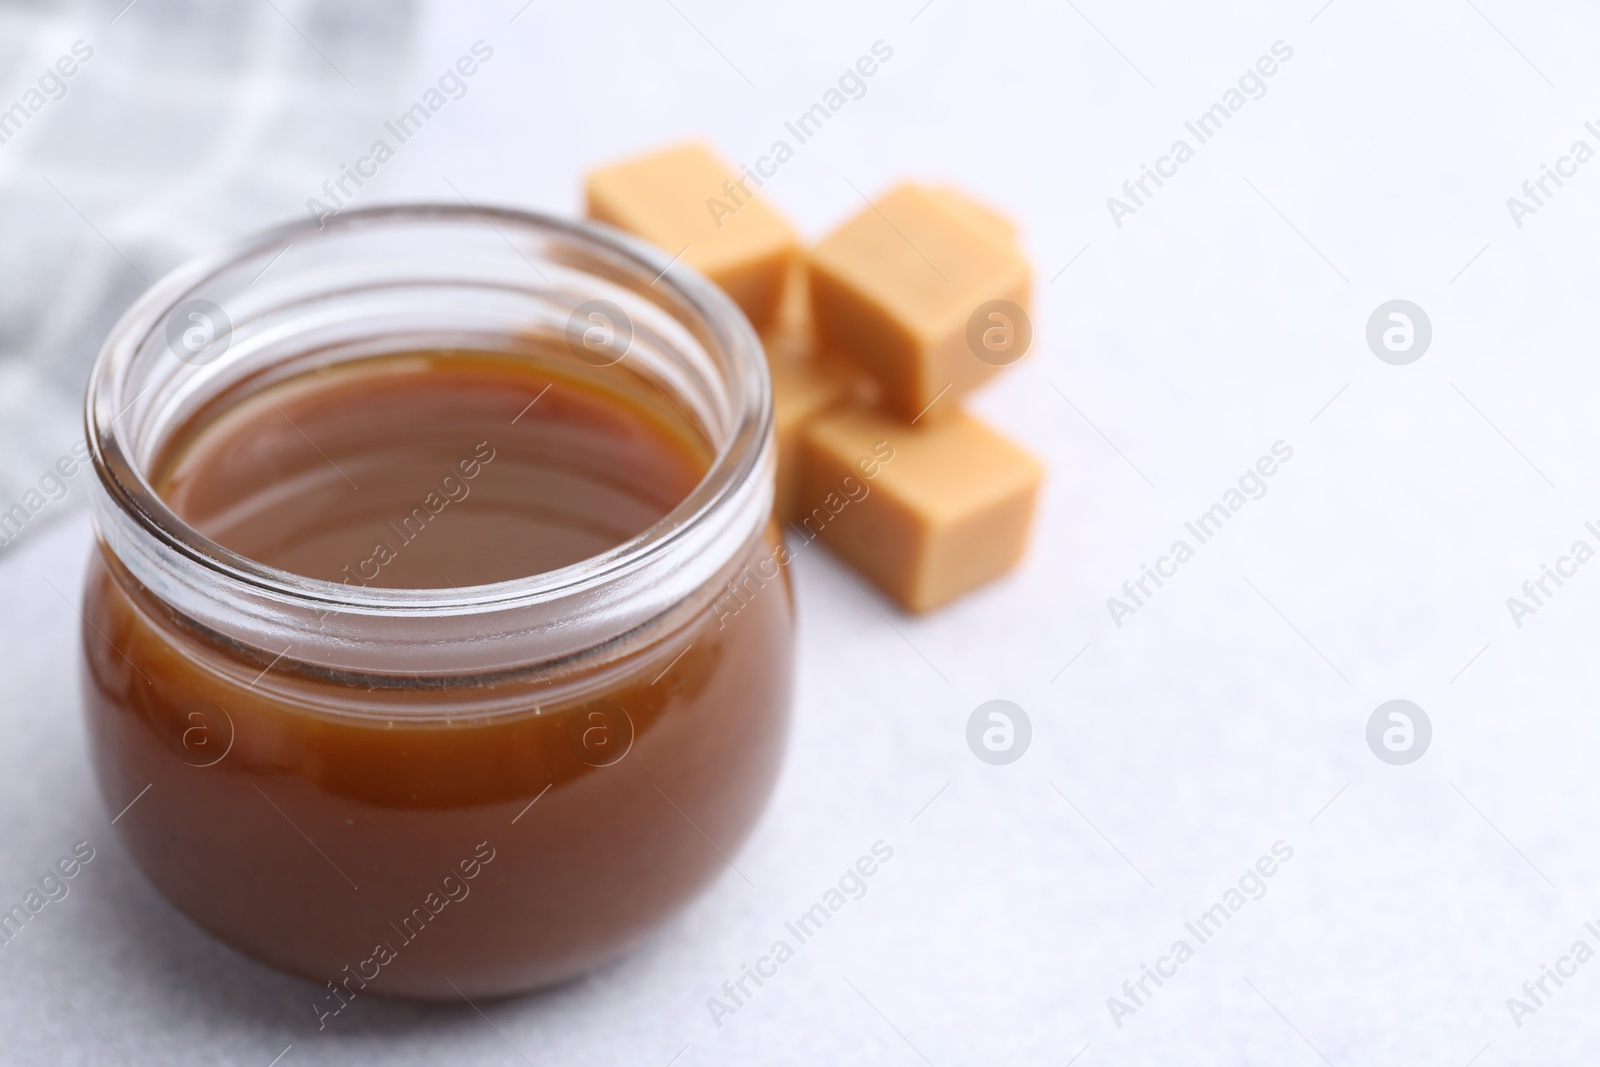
(896, 287)
(804, 386)
(685, 199)
(927, 512)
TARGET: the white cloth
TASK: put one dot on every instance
(182, 124)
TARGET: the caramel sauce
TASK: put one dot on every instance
(433, 835)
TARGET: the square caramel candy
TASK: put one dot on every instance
(685, 199)
(927, 512)
(926, 297)
(805, 385)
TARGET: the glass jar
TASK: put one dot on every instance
(433, 792)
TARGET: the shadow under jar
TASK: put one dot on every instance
(437, 637)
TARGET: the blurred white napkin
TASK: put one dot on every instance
(132, 137)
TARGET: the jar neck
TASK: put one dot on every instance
(395, 278)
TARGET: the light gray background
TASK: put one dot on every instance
(1228, 714)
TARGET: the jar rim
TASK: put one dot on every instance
(737, 457)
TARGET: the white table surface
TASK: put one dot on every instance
(1228, 714)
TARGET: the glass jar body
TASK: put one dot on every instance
(500, 850)
(435, 791)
